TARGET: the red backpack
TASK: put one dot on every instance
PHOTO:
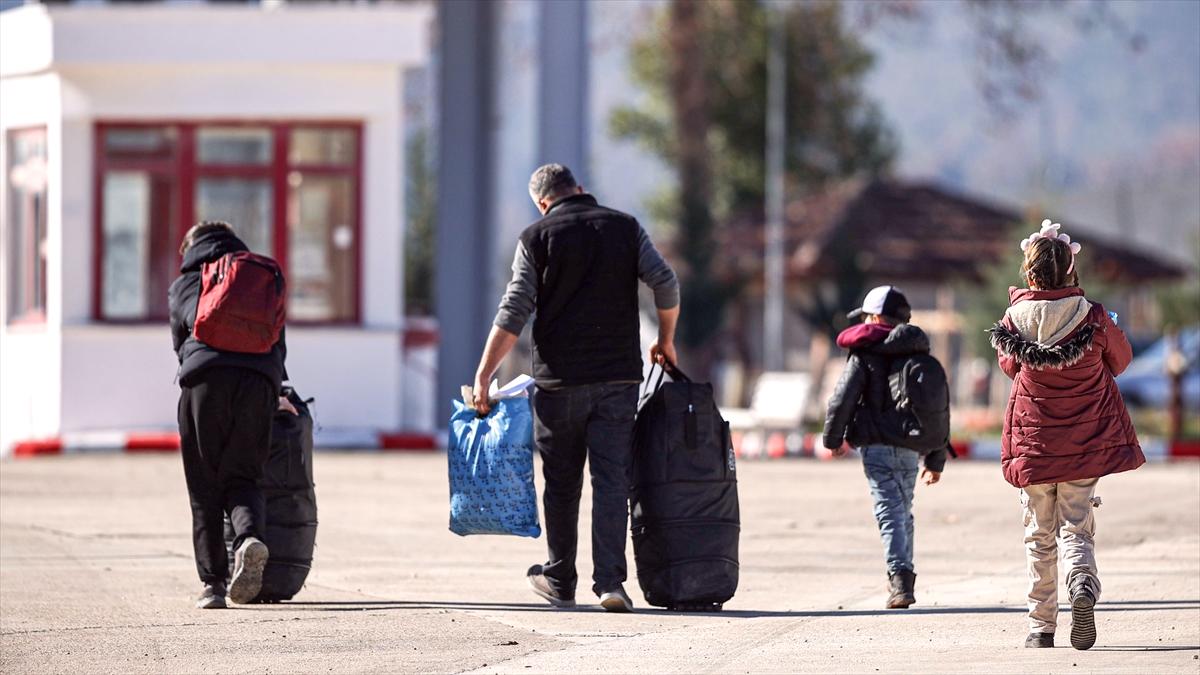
(241, 306)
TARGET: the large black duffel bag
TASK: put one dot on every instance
(287, 484)
(684, 502)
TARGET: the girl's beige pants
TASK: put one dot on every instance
(1058, 518)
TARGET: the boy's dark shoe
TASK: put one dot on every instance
(1040, 640)
(212, 597)
(616, 600)
(541, 585)
(248, 563)
(1083, 617)
(902, 584)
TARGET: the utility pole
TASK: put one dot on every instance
(774, 290)
(466, 73)
(563, 87)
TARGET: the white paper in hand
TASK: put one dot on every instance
(517, 388)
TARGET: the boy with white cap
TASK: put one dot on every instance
(892, 404)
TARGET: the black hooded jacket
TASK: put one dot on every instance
(182, 299)
(856, 409)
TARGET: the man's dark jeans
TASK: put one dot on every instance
(571, 424)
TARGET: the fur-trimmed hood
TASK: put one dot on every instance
(1038, 356)
(1047, 317)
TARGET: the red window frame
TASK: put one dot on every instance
(32, 313)
(186, 170)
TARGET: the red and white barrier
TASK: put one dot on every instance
(144, 442)
(758, 444)
(750, 444)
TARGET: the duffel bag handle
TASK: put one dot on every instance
(650, 390)
(675, 373)
(664, 368)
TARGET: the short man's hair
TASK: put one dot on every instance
(551, 180)
(202, 227)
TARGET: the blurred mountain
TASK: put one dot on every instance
(1113, 141)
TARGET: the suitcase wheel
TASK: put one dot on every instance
(696, 607)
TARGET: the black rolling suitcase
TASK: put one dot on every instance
(684, 502)
(287, 484)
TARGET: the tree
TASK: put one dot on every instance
(1011, 59)
(705, 70)
(1179, 303)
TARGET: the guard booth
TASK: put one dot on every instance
(124, 125)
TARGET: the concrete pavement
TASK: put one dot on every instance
(96, 575)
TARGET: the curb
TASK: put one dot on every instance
(767, 445)
(156, 442)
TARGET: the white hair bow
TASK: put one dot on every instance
(1050, 231)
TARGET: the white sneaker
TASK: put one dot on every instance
(248, 563)
(616, 600)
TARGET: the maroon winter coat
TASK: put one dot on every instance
(1065, 418)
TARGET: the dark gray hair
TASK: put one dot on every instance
(202, 227)
(551, 180)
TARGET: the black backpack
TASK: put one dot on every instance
(920, 397)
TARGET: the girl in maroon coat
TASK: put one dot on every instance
(1065, 426)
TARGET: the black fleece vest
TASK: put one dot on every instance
(587, 325)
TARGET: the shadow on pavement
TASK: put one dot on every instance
(1194, 604)
(1146, 649)
(381, 605)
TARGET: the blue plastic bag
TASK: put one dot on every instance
(491, 470)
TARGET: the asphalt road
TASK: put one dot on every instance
(96, 575)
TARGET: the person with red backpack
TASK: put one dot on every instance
(892, 403)
(227, 316)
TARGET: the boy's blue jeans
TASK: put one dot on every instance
(892, 477)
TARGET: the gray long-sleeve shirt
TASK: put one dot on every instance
(520, 298)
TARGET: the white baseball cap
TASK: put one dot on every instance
(885, 301)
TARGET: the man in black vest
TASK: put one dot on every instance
(577, 269)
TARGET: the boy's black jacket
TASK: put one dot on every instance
(856, 408)
(182, 298)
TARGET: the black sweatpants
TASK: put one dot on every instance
(225, 434)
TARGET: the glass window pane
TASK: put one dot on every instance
(234, 145)
(140, 143)
(315, 145)
(321, 248)
(36, 210)
(138, 223)
(126, 229)
(244, 203)
(27, 145)
(27, 223)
